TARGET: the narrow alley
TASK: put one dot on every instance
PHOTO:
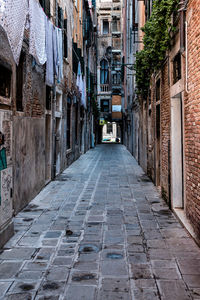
(100, 231)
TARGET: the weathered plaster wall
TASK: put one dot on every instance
(29, 159)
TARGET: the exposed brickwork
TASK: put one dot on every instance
(165, 130)
(192, 118)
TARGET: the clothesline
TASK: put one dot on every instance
(63, 29)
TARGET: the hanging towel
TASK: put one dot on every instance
(49, 50)
(37, 32)
(60, 53)
(13, 14)
(55, 51)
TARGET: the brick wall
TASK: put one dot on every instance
(192, 117)
(165, 130)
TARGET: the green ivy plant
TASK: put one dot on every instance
(156, 41)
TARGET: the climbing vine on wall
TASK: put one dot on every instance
(156, 41)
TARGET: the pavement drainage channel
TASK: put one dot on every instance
(88, 248)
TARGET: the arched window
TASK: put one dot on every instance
(104, 72)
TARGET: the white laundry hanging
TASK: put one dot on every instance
(37, 32)
(49, 50)
(60, 54)
(55, 51)
(13, 14)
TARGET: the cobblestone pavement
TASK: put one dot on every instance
(99, 232)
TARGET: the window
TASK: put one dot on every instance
(105, 27)
(116, 25)
(46, 6)
(65, 39)
(60, 17)
(104, 105)
(177, 68)
(104, 72)
(48, 97)
(148, 8)
(20, 82)
(109, 51)
(158, 90)
(116, 78)
(58, 102)
(68, 123)
(5, 81)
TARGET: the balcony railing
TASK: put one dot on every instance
(105, 87)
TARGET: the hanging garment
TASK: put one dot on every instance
(60, 53)
(49, 50)
(83, 91)
(55, 51)
(13, 14)
(37, 32)
(78, 82)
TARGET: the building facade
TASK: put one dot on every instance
(165, 140)
(46, 119)
(109, 61)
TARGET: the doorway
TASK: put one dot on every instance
(47, 148)
(157, 148)
(58, 145)
(177, 175)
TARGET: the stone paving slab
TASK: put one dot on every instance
(100, 231)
